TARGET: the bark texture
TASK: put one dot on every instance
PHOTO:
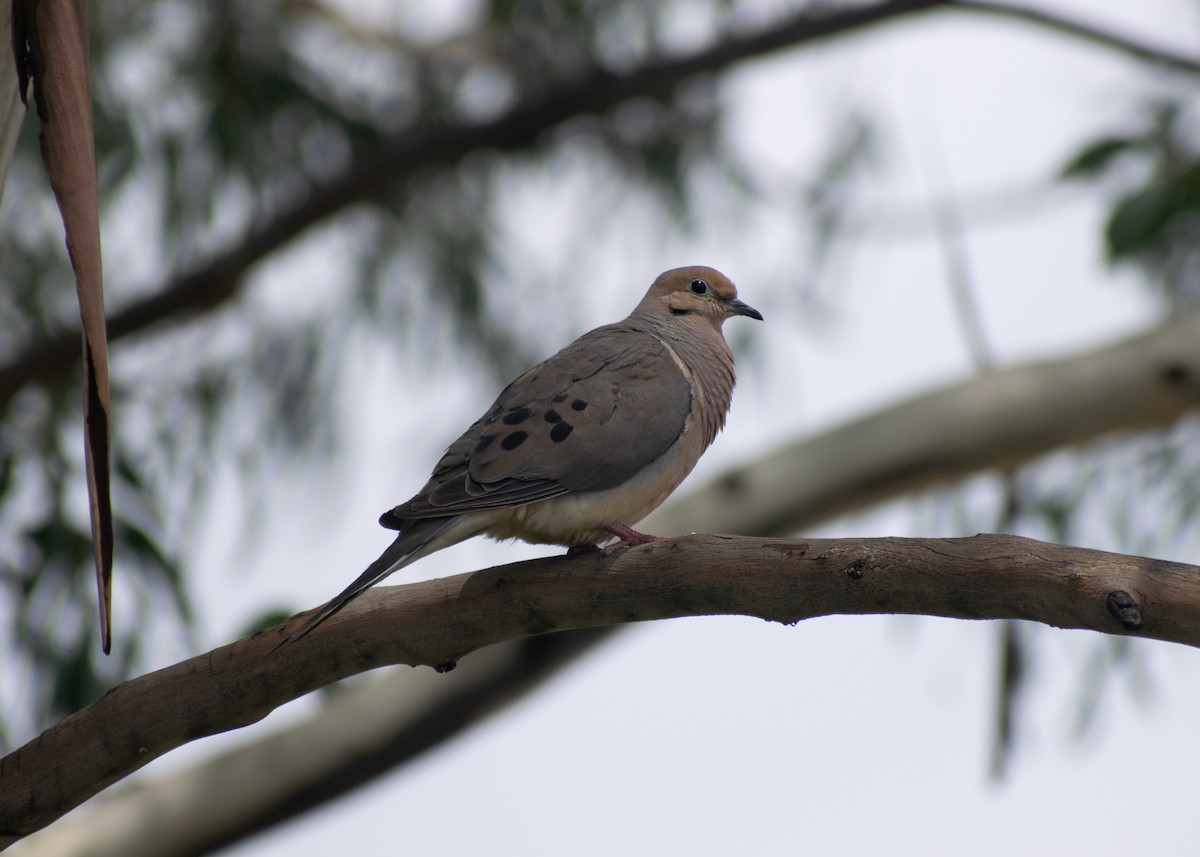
(781, 580)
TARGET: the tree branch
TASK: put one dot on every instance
(1004, 418)
(1165, 377)
(360, 733)
(376, 173)
(1087, 32)
(1148, 380)
(780, 580)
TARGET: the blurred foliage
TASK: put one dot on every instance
(1110, 496)
(211, 118)
(1154, 171)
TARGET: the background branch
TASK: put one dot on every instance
(377, 172)
(1087, 32)
(992, 421)
(373, 174)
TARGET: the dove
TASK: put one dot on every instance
(584, 445)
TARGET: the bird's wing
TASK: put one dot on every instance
(587, 419)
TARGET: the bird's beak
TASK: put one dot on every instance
(739, 307)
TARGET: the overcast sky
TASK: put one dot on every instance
(861, 735)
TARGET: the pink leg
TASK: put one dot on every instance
(628, 537)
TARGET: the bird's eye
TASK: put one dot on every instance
(699, 287)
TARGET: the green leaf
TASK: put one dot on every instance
(1141, 220)
(1095, 157)
(1137, 220)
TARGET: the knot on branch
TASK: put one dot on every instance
(1124, 609)
(857, 570)
(1175, 374)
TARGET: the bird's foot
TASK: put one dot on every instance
(628, 537)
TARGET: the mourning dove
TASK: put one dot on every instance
(586, 444)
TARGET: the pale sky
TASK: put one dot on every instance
(860, 735)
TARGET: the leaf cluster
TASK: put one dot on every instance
(1154, 220)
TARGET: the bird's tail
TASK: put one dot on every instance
(409, 546)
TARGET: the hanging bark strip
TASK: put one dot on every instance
(51, 51)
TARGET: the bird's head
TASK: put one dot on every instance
(694, 293)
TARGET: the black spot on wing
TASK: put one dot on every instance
(560, 398)
(485, 442)
(513, 440)
(578, 405)
(516, 416)
(553, 416)
(560, 432)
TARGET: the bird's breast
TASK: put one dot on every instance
(580, 517)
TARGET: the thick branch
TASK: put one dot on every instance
(894, 469)
(361, 732)
(979, 423)
(378, 172)
(984, 577)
